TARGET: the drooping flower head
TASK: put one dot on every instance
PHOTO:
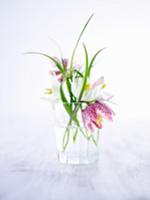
(94, 114)
(65, 65)
(55, 72)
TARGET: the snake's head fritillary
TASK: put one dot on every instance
(94, 114)
(56, 73)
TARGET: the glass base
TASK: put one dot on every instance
(77, 146)
(75, 159)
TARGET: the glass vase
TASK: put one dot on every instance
(75, 144)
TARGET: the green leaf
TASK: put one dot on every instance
(51, 58)
(78, 40)
(67, 106)
(65, 101)
(79, 73)
(68, 84)
(86, 73)
(93, 59)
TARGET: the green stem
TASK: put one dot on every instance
(87, 102)
(77, 106)
(65, 141)
(75, 135)
(93, 139)
(97, 138)
(85, 135)
(70, 91)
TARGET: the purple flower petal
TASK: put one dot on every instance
(93, 114)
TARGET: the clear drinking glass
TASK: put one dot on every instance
(75, 145)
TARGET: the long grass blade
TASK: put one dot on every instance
(93, 59)
(51, 58)
(86, 73)
(76, 45)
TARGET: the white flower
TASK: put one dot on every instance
(53, 92)
(93, 91)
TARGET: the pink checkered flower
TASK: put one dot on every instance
(94, 114)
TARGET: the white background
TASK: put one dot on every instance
(27, 167)
(121, 26)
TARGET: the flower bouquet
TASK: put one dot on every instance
(80, 104)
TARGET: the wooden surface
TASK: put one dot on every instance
(29, 169)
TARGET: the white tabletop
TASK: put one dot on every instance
(29, 169)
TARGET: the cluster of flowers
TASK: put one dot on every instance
(94, 96)
(73, 88)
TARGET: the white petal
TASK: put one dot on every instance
(93, 93)
(76, 86)
(100, 81)
(105, 96)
